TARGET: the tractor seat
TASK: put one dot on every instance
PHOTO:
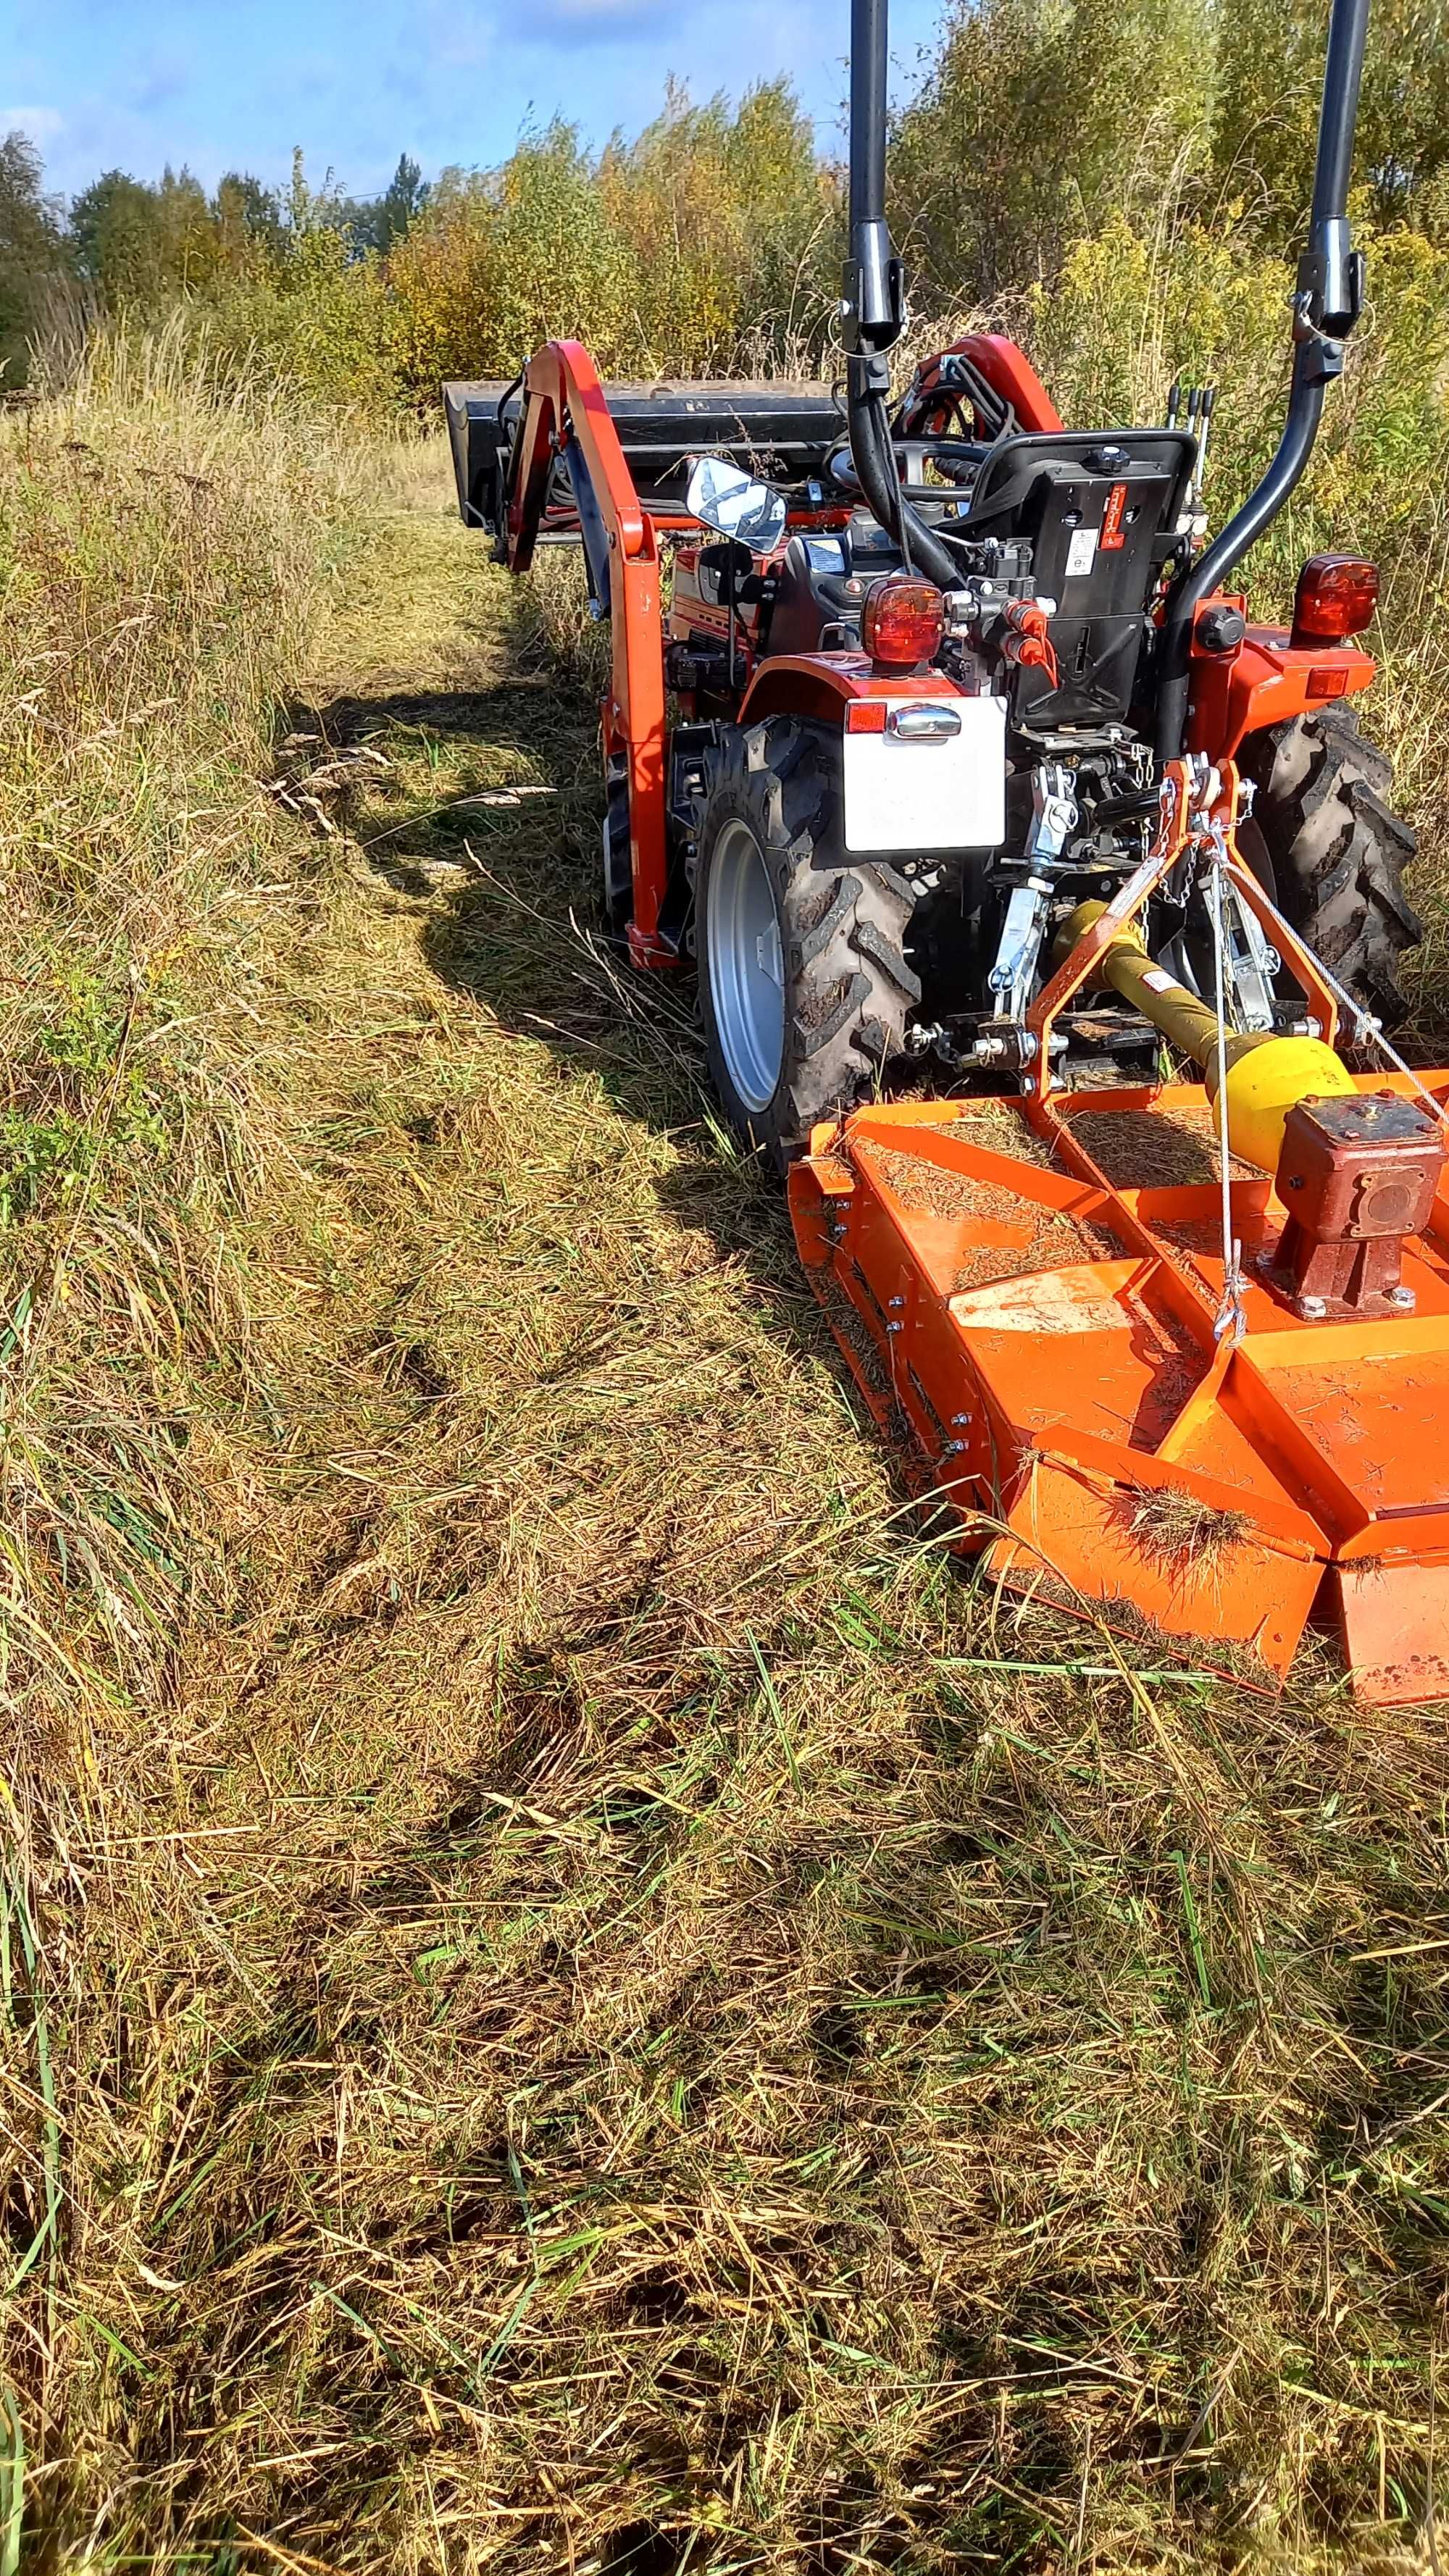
(1099, 510)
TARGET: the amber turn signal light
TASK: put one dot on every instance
(1336, 596)
(902, 622)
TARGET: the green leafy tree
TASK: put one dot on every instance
(400, 204)
(307, 209)
(248, 222)
(34, 261)
(380, 223)
(1269, 79)
(119, 238)
(1037, 120)
(709, 241)
(141, 246)
(293, 294)
(188, 232)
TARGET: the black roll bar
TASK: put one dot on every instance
(872, 307)
(1326, 304)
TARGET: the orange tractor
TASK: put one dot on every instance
(952, 748)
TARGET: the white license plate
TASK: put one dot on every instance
(903, 794)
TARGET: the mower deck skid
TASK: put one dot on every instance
(1037, 1332)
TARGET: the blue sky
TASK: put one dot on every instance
(102, 84)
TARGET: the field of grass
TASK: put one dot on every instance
(575, 1999)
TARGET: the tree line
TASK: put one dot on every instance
(132, 245)
(713, 238)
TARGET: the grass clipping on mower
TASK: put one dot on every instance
(1181, 1530)
(1049, 1239)
(1156, 1148)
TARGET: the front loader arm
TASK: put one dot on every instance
(566, 419)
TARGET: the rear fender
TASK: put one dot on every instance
(1265, 682)
(820, 686)
(943, 789)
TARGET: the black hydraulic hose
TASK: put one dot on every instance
(1300, 429)
(874, 458)
(870, 450)
(1325, 310)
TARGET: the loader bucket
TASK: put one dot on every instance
(1028, 1293)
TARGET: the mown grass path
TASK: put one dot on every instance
(688, 2042)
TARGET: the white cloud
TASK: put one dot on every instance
(42, 124)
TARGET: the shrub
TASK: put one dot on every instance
(317, 320)
(705, 243)
(1133, 310)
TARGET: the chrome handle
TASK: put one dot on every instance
(923, 724)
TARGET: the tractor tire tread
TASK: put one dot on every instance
(1338, 850)
(837, 913)
(843, 922)
(872, 943)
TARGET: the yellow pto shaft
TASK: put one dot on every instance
(1266, 1076)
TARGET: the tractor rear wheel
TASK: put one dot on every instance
(804, 986)
(1336, 850)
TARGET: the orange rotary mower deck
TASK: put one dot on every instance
(1033, 1295)
(1040, 1333)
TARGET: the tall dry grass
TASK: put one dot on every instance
(166, 551)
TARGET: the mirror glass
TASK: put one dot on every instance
(729, 502)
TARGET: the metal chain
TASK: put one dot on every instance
(1230, 1322)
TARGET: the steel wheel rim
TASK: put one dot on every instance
(745, 964)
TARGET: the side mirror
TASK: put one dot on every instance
(728, 501)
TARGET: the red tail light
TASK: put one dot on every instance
(903, 622)
(1337, 595)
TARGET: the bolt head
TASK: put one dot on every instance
(1312, 1309)
(1403, 1297)
(959, 1421)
